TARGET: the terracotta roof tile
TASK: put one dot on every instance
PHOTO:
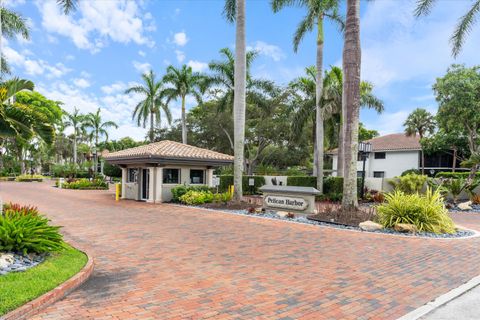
(168, 149)
(392, 142)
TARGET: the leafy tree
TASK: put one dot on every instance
(464, 25)
(99, 128)
(11, 25)
(351, 102)
(317, 11)
(420, 122)
(366, 134)
(76, 121)
(458, 96)
(449, 142)
(183, 82)
(153, 94)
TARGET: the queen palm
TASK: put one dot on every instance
(11, 25)
(420, 122)
(149, 108)
(99, 128)
(76, 121)
(183, 82)
(464, 25)
(317, 12)
(234, 11)
(351, 103)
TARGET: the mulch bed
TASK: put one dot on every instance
(334, 214)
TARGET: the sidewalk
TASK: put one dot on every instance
(465, 307)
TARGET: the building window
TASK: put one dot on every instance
(132, 175)
(171, 176)
(379, 174)
(197, 176)
(380, 155)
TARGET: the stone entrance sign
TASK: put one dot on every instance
(292, 199)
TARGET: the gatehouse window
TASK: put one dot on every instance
(171, 176)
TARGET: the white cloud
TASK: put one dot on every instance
(96, 22)
(114, 87)
(197, 66)
(142, 67)
(142, 53)
(81, 83)
(180, 55)
(268, 50)
(69, 57)
(180, 39)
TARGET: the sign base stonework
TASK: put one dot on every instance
(292, 199)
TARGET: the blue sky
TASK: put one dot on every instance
(87, 59)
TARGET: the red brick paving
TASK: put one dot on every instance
(166, 262)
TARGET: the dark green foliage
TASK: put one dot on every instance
(455, 175)
(27, 233)
(227, 180)
(303, 181)
(180, 190)
(410, 171)
(332, 186)
(68, 171)
(111, 170)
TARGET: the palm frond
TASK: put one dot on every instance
(463, 28)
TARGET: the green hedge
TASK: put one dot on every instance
(227, 180)
(332, 186)
(455, 175)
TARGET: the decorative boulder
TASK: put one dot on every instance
(370, 226)
(465, 206)
(282, 214)
(6, 260)
(405, 227)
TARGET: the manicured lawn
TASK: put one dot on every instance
(19, 288)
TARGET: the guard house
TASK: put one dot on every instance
(150, 172)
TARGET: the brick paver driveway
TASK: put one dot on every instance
(166, 262)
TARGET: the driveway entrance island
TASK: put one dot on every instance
(170, 262)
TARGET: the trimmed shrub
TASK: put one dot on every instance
(69, 171)
(332, 186)
(84, 184)
(455, 175)
(28, 233)
(179, 191)
(30, 178)
(112, 170)
(227, 180)
(193, 197)
(302, 181)
(410, 183)
(426, 211)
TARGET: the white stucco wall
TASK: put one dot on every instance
(393, 165)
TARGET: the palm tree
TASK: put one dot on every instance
(183, 82)
(420, 122)
(99, 128)
(317, 11)
(153, 93)
(351, 103)
(234, 11)
(11, 24)
(463, 28)
(76, 121)
(67, 5)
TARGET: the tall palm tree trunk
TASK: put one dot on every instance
(151, 126)
(340, 162)
(74, 146)
(239, 100)
(319, 114)
(184, 122)
(351, 101)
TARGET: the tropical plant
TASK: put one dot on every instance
(152, 92)
(183, 82)
(410, 183)
(455, 187)
(463, 28)
(317, 11)
(234, 11)
(420, 122)
(13, 24)
(180, 190)
(21, 209)
(99, 128)
(425, 211)
(28, 233)
(193, 197)
(351, 103)
(76, 121)
(84, 184)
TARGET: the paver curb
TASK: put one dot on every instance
(441, 300)
(52, 296)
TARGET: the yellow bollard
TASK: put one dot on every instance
(230, 190)
(118, 191)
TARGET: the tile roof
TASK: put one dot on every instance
(392, 142)
(168, 149)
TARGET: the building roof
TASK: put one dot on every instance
(392, 142)
(167, 149)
